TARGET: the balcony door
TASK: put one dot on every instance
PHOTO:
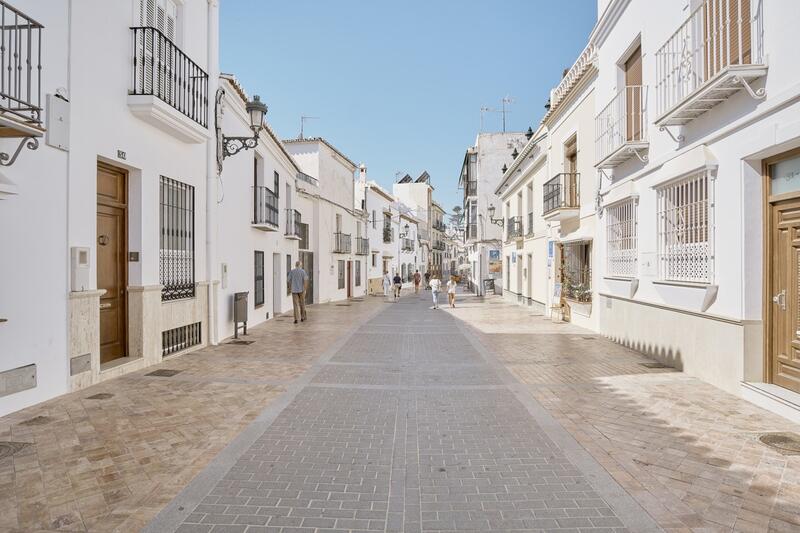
(726, 28)
(154, 53)
(112, 261)
(633, 96)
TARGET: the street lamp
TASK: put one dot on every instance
(256, 109)
(499, 221)
(403, 235)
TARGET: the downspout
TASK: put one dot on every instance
(212, 168)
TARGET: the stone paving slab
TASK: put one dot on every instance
(385, 435)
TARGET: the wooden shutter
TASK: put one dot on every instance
(727, 34)
(633, 96)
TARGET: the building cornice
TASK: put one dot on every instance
(585, 64)
(607, 21)
(533, 143)
(326, 143)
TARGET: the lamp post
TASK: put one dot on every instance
(490, 211)
(256, 110)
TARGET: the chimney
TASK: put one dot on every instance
(362, 174)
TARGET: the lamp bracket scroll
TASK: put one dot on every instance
(7, 160)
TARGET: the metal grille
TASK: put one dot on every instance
(621, 239)
(176, 254)
(622, 121)
(265, 206)
(20, 64)
(178, 339)
(342, 243)
(293, 223)
(561, 192)
(161, 69)
(576, 271)
(684, 229)
(514, 229)
(358, 273)
(303, 245)
(716, 35)
(341, 274)
(530, 225)
(362, 246)
(258, 281)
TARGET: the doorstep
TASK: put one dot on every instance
(773, 398)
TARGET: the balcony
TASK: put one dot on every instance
(294, 225)
(362, 246)
(407, 245)
(170, 91)
(439, 225)
(388, 235)
(513, 228)
(342, 243)
(438, 245)
(561, 197)
(471, 188)
(715, 53)
(530, 225)
(265, 209)
(471, 232)
(621, 128)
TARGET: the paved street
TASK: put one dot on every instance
(394, 417)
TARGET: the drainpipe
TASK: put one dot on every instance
(212, 170)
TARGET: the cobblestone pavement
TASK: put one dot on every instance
(685, 450)
(111, 464)
(406, 425)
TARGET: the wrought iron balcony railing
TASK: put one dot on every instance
(362, 246)
(408, 245)
(438, 245)
(20, 66)
(294, 223)
(161, 69)
(514, 227)
(388, 234)
(439, 225)
(265, 206)
(471, 188)
(342, 243)
(561, 192)
(621, 126)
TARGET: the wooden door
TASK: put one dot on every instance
(307, 262)
(112, 252)
(633, 96)
(349, 279)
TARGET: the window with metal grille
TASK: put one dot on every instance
(176, 254)
(685, 225)
(576, 271)
(259, 278)
(621, 239)
(178, 339)
(341, 274)
(288, 269)
(358, 273)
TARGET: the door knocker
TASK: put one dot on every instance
(102, 240)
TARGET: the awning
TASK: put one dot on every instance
(696, 159)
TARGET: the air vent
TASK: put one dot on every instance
(785, 443)
(181, 338)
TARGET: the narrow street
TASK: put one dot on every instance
(395, 417)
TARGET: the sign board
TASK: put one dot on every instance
(495, 263)
(556, 292)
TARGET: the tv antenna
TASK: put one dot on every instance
(303, 124)
(506, 100)
(485, 109)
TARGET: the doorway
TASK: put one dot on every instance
(633, 95)
(307, 262)
(112, 261)
(782, 270)
(349, 279)
(530, 279)
(277, 283)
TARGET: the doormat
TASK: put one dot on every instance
(784, 443)
(655, 365)
(164, 372)
(342, 305)
(37, 421)
(100, 396)
(9, 448)
(240, 343)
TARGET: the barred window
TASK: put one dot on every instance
(621, 239)
(358, 273)
(259, 278)
(576, 271)
(341, 274)
(176, 254)
(288, 269)
(684, 228)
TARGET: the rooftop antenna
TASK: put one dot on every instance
(506, 100)
(485, 109)
(303, 123)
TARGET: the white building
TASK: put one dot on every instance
(481, 172)
(111, 269)
(339, 238)
(698, 130)
(417, 196)
(381, 212)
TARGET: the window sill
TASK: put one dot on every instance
(688, 284)
(618, 278)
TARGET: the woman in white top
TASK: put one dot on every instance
(387, 284)
(436, 286)
(451, 291)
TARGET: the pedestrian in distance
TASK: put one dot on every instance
(398, 284)
(427, 280)
(436, 287)
(417, 280)
(387, 284)
(451, 291)
(298, 284)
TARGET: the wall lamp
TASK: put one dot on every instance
(256, 109)
(499, 221)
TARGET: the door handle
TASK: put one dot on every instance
(780, 299)
(105, 306)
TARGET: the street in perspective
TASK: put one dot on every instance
(326, 267)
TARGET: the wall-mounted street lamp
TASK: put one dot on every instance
(405, 234)
(256, 109)
(499, 221)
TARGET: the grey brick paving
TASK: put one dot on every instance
(406, 428)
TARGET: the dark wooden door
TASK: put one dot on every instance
(307, 262)
(784, 295)
(112, 251)
(349, 279)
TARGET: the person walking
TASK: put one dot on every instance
(387, 284)
(298, 283)
(451, 291)
(436, 286)
(417, 280)
(398, 284)
(427, 280)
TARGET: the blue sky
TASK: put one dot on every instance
(399, 85)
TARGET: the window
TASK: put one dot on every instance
(277, 183)
(258, 280)
(288, 269)
(374, 260)
(684, 226)
(358, 273)
(176, 253)
(621, 239)
(338, 223)
(341, 274)
(576, 271)
(374, 222)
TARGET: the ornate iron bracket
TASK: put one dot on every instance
(758, 94)
(234, 145)
(603, 174)
(7, 160)
(677, 139)
(642, 158)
